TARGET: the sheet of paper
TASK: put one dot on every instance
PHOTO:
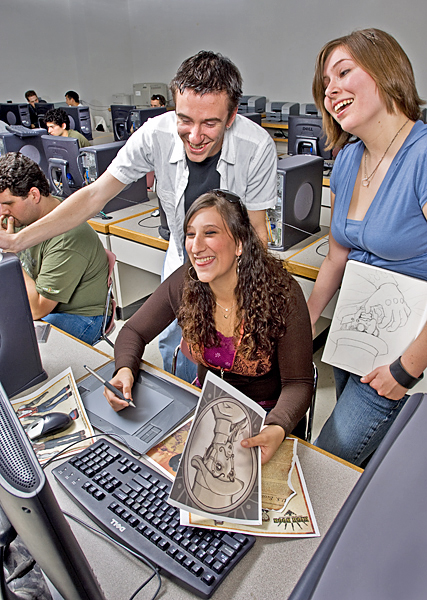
(296, 519)
(58, 395)
(165, 456)
(216, 476)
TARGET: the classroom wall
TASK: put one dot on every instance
(101, 47)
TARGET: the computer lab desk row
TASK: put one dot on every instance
(132, 234)
(271, 568)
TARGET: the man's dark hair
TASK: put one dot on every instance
(160, 98)
(30, 93)
(209, 73)
(57, 116)
(73, 95)
(19, 174)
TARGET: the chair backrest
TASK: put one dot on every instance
(108, 321)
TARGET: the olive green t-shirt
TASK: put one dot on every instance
(70, 269)
(83, 142)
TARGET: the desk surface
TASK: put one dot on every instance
(142, 229)
(272, 567)
(103, 225)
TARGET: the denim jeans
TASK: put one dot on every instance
(359, 421)
(169, 339)
(86, 329)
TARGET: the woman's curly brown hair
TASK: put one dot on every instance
(262, 291)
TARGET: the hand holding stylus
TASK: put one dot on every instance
(118, 390)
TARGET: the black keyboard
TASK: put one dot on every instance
(23, 131)
(128, 500)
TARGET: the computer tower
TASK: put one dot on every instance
(306, 136)
(80, 120)
(15, 114)
(95, 160)
(296, 215)
(138, 116)
(30, 146)
(120, 118)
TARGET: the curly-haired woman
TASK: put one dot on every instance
(242, 315)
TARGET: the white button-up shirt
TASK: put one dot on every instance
(247, 167)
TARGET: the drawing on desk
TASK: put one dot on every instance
(166, 455)
(378, 315)
(295, 519)
(216, 475)
(59, 394)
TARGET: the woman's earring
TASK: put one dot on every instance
(239, 260)
(189, 273)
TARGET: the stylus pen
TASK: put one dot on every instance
(109, 386)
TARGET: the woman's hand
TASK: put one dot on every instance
(383, 382)
(123, 381)
(269, 439)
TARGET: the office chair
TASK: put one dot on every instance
(304, 427)
(108, 320)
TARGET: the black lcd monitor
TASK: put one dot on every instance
(95, 161)
(64, 170)
(30, 145)
(15, 114)
(306, 136)
(20, 364)
(376, 547)
(28, 501)
(120, 119)
(138, 116)
(80, 119)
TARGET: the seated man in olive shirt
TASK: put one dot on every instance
(58, 124)
(66, 276)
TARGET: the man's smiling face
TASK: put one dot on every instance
(201, 122)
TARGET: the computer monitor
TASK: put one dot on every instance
(20, 364)
(28, 501)
(15, 114)
(30, 145)
(256, 117)
(41, 109)
(80, 119)
(306, 136)
(138, 116)
(95, 161)
(119, 117)
(64, 170)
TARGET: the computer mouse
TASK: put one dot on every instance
(49, 425)
(155, 213)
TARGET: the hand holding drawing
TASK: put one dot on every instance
(123, 381)
(269, 439)
(390, 306)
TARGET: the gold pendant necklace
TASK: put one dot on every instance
(227, 310)
(367, 179)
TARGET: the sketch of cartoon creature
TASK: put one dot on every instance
(215, 483)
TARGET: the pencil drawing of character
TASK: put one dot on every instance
(215, 483)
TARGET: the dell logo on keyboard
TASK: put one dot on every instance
(117, 525)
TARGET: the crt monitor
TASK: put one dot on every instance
(80, 119)
(138, 116)
(64, 170)
(20, 364)
(41, 109)
(95, 161)
(30, 145)
(15, 114)
(119, 117)
(28, 501)
(305, 136)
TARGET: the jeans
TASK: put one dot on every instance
(169, 339)
(86, 329)
(359, 421)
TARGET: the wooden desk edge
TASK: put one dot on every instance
(142, 238)
(105, 227)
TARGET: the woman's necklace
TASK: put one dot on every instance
(227, 310)
(367, 179)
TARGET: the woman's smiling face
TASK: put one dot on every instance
(211, 247)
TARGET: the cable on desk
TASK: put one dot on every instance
(147, 226)
(324, 243)
(138, 556)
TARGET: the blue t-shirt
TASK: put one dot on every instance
(393, 233)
